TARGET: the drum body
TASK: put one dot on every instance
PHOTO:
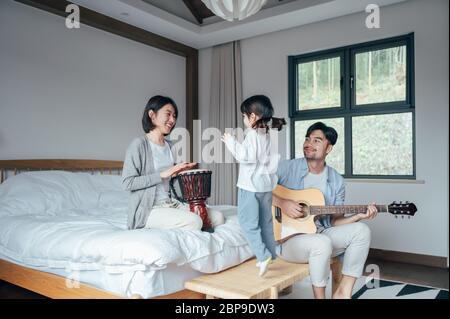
(195, 186)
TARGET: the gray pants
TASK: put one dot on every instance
(353, 240)
(255, 218)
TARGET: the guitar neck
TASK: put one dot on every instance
(344, 209)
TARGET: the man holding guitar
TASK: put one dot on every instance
(336, 234)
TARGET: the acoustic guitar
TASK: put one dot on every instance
(313, 204)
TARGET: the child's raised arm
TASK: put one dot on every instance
(245, 152)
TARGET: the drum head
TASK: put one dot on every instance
(195, 171)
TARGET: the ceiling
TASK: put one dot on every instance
(174, 19)
(190, 10)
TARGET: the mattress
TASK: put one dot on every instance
(74, 224)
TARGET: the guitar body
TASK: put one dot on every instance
(307, 197)
(313, 204)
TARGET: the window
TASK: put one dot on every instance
(365, 92)
(319, 83)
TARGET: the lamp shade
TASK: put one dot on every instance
(234, 9)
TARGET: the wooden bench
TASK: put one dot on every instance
(244, 282)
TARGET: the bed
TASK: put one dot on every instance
(63, 235)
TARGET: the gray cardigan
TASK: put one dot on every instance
(140, 178)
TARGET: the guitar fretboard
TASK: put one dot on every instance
(344, 209)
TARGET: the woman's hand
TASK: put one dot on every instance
(174, 170)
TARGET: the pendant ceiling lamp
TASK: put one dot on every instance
(234, 9)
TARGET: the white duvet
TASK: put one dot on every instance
(77, 221)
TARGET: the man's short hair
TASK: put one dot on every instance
(330, 133)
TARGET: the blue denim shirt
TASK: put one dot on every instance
(291, 174)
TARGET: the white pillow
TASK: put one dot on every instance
(48, 192)
(110, 191)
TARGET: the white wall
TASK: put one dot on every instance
(264, 63)
(75, 93)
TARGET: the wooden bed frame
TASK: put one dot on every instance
(50, 285)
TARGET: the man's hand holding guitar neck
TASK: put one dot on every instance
(371, 213)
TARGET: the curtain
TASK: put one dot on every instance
(225, 102)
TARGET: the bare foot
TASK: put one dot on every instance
(339, 295)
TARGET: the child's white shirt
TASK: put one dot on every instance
(257, 170)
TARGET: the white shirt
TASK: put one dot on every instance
(318, 181)
(257, 170)
(162, 159)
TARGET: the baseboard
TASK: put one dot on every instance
(410, 258)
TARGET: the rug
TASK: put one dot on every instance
(365, 288)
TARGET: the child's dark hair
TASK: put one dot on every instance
(155, 104)
(330, 133)
(262, 107)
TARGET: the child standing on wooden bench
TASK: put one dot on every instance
(257, 177)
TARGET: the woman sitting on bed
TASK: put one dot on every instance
(148, 167)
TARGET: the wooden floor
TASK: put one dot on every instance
(421, 275)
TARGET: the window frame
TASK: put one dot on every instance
(348, 108)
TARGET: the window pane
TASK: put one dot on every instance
(381, 76)
(319, 84)
(336, 158)
(382, 144)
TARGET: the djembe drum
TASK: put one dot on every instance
(195, 188)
